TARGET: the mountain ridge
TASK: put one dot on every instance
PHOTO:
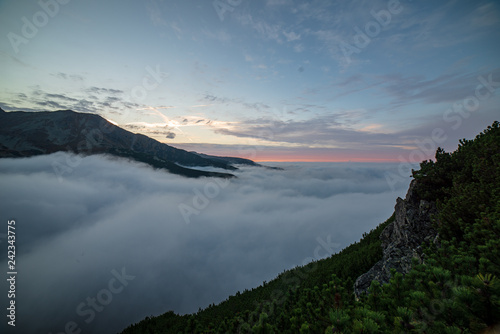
(25, 134)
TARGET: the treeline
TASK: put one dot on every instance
(455, 290)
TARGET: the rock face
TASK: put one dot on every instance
(401, 239)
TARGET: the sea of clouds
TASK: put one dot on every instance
(111, 241)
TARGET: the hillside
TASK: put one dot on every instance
(433, 267)
(25, 134)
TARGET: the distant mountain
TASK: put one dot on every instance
(25, 134)
(230, 160)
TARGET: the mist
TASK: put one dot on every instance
(112, 241)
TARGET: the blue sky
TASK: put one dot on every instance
(268, 80)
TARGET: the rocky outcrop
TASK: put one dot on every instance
(402, 239)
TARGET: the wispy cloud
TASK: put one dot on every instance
(219, 35)
(177, 30)
(291, 36)
(91, 100)
(256, 106)
(16, 60)
(264, 29)
(155, 13)
(66, 76)
(486, 15)
(100, 90)
(447, 87)
(298, 48)
(59, 97)
(326, 131)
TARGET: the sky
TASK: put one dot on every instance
(176, 243)
(270, 80)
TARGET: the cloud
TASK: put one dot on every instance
(276, 2)
(177, 30)
(60, 97)
(449, 24)
(155, 14)
(453, 85)
(291, 36)
(485, 15)
(265, 30)
(100, 90)
(213, 98)
(416, 28)
(298, 48)
(108, 214)
(66, 76)
(329, 129)
(445, 88)
(93, 99)
(51, 104)
(255, 106)
(17, 61)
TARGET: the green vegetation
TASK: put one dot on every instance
(456, 289)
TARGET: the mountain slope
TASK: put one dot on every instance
(452, 285)
(241, 312)
(24, 134)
